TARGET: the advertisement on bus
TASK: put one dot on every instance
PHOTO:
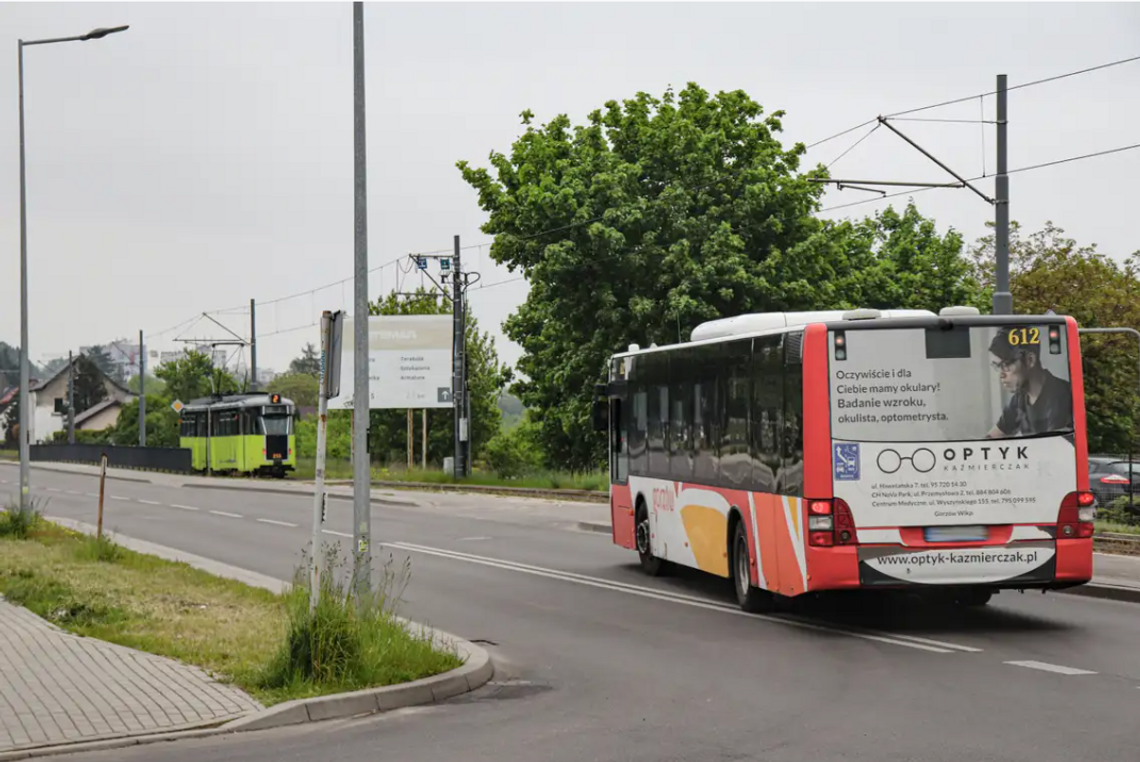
(967, 426)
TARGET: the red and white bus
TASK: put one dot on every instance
(805, 452)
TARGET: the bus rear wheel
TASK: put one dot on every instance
(751, 599)
(653, 566)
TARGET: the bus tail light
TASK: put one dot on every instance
(830, 523)
(821, 524)
(844, 525)
(1076, 517)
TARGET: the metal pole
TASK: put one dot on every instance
(457, 360)
(252, 345)
(1003, 299)
(25, 373)
(142, 391)
(411, 439)
(423, 445)
(319, 487)
(361, 478)
(70, 399)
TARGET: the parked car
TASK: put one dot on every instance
(1112, 478)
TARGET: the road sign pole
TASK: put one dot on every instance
(319, 472)
(457, 361)
(142, 391)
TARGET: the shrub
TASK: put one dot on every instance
(514, 453)
(19, 522)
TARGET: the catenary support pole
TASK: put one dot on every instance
(457, 360)
(252, 345)
(142, 391)
(361, 476)
(1003, 299)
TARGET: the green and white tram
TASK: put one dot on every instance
(240, 433)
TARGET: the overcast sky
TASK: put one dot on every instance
(205, 156)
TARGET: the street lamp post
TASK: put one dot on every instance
(25, 373)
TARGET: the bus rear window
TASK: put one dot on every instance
(967, 383)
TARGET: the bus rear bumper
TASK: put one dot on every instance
(1051, 565)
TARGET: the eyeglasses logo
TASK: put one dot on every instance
(921, 460)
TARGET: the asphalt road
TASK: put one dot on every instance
(597, 662)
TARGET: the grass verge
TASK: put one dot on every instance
(266, 644)
(342, 469)
(1117, 528)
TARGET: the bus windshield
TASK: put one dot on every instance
(961, 384)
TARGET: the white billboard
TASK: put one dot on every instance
(410, 362)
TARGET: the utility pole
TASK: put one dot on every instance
(70, 399)
(252, 345)
(1003, 299)
(361, 399)
(458, 359)
(142, 391)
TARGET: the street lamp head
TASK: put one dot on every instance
(101, 32)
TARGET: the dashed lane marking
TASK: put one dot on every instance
(472, 539)
(337, 534)
(1056, 668)
(149, 502)
(227, 515)
(120, 497)
(275, 522)
(183, 507)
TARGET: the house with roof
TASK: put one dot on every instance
(49, 404)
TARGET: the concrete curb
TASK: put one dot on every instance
(1106, 591)
(475, 672)
(299, 492)
(596, 526)
(41, 466)
(580, 495)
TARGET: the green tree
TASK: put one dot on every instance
(660, 213)
(1050, 271)
(12, 422)
(162, 423)
(486, 378)
(299, 387)
(88, 383)
(99, 355)
(194, 376)
(309, 363)
(153, 385)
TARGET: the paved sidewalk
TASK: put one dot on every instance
(59, 688)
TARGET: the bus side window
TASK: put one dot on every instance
(705, 362)
(767, 410)
(792, 476)
(735, 459)
(681, 416)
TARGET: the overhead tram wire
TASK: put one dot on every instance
(1029, 168)
(967, 98)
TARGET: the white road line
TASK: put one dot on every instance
(1057, 668)
(227, 515)
(183, 507)
(73, 492)
(119, 497)
(338, 534)
(472, 539)
(149, 502)
(660, 595)
(278, 523)
(52, 489)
